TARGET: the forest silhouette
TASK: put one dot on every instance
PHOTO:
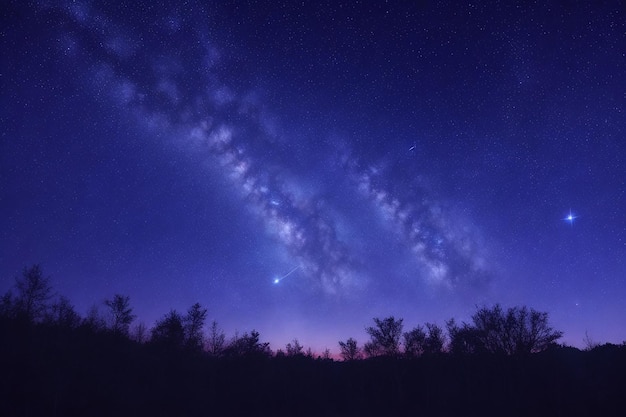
(504, 362)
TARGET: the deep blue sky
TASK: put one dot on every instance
(414, 160)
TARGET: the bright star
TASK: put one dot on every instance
(570, 217)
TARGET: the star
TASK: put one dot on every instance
(570, 217)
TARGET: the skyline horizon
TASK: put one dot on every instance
(585, 343)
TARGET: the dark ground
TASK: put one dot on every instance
(54, 371)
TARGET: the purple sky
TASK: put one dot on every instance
(386, 159)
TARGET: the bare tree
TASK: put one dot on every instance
(121, 314)
(350, 350)
(385, 337)
(590, 344)
(516, 331)
(33, 294)
(535, 333)
(491, 331)
(216, 340)
(326, 355)
(94, 321)
(139, 333)
(62, 314)
(194, 322)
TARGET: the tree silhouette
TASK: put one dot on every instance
(121, 313)
(385, 337)
(518, 331)
(62, 314)
(435, 339)
(8, 305)
(169, 332)
(589, 342)
(94, 321)
(294, 348)
(350, 350)
(414, 341)
(55, 366)
(193, 323)
(216, 340)
(139, 333)
(248, 345)
(464, 339)
(532, 333)
(33, 293)
(326, 356)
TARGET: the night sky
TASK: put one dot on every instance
(299, 168)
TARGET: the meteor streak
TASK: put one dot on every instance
(277, 280)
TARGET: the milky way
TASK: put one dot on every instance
(444, 251)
